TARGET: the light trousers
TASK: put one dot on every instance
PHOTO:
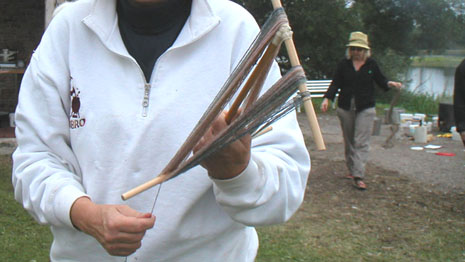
(356, 130)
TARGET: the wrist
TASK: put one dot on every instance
(228, 173)
(81, 210)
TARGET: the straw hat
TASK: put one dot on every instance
(358, 39)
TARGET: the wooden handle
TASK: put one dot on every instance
(264, 131)
(308, 105)
(137, 190)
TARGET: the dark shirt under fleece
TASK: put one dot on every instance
(148, 30)
(358, 84)
(459, 97)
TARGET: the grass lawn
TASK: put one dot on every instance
(395, 220)
(21, 238)
(437, 61)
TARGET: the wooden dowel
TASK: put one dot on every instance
(264, 131)
(308, 105)
(137, 190)
(261, 68)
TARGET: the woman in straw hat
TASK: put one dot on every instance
(354, 81)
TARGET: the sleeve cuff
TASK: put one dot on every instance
(242, 184)
(64, 200)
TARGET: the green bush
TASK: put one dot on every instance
(414, 102)
(411, 102)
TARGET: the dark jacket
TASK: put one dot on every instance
(359, 84)
(459, 97)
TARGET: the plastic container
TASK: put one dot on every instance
(411, 130)
(420, 117)
(404, 117)
(455, 135)
(12, 119)
(429, 127)
(420, 134)
(395, 116)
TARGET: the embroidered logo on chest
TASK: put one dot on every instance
(75, 118)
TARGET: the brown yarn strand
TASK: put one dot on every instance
(268, 108)
(257, 114)
(241, 71)
(255, 83)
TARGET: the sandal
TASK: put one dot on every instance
(359, 184)
(349, 176)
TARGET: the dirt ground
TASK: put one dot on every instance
(438, 173)
(413, 208)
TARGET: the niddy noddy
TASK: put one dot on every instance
(308, 105)
(271, 105)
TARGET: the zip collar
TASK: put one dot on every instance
(103, 21)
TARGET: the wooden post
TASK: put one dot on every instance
(308, 105)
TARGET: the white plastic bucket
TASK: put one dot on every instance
(12, 119)
(420, 134)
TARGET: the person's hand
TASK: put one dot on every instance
(397, 85)
(119, 229)
(324, 105)
(229, 161)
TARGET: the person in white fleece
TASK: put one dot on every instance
(111, 92)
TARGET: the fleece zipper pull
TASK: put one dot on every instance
(145, 101)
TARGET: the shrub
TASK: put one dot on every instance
(411, 102)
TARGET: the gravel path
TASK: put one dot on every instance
(7, 146)
(444, 173)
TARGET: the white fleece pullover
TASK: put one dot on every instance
(89, 125)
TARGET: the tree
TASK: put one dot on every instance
(396, 29)
(320, 28)
(434, 22)
(389, 23)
